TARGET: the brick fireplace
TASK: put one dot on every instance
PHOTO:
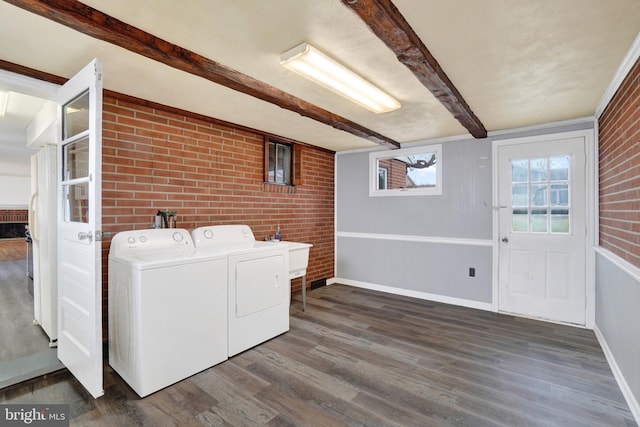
(13, 223)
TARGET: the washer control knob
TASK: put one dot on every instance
(143, 239)
(178, 237)
(244, 231)
(208, 234)
(131, 239)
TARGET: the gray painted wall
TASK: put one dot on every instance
(618, 317)
(440, 269)
(463, 211)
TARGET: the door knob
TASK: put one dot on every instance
(505, 240)
(85, 236)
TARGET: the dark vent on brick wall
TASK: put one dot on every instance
(318, 283)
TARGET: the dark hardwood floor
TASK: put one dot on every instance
(19, 337)
(364, 358)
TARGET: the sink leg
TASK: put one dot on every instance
(304, 293)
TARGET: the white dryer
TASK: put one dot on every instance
(167, 308)
(258, 283)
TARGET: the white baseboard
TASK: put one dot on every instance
(487, 306)
(634, 406)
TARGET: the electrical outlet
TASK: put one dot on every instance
(472, 272)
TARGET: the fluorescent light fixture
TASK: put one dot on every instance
(314, 65)
(4, 100)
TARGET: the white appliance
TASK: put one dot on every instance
(42, 227)
(258, 283)
(167, 308)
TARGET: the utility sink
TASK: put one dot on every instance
(298, 262)
(298, 258)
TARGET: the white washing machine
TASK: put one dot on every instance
(258, 283)
(167, 308)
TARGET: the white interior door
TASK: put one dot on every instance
(542, 230)
(79, 227)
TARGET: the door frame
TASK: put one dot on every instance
(27, 85)
(591, 198)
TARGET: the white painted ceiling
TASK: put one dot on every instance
(516, 62)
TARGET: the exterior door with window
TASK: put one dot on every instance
(79, 227)
(542, 230)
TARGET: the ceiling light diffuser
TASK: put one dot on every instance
(314, 65)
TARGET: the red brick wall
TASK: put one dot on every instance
(14, 215)
(619, 158)
(396, 173)
(210, 174)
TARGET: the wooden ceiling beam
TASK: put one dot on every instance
(92, 22)
(386, 22)
(51, 78)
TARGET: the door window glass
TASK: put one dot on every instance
(75, 166)
(540, 195)
(76, 202)
(75, 116)
(75, 158)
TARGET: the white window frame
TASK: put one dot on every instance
(375, 156)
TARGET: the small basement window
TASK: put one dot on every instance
(415, 171)
(279, 168)
(283, 163)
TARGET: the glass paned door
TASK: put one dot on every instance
(79, 227)
(540, 195)
(542, 223)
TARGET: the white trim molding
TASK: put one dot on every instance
(619, 262)
(634, 274)
(28, 85)
(498, 134)
(413, 238)
(625, 66)
(634, 406)
(486, 306)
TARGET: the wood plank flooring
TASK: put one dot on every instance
(364, 358)
(13, 249)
